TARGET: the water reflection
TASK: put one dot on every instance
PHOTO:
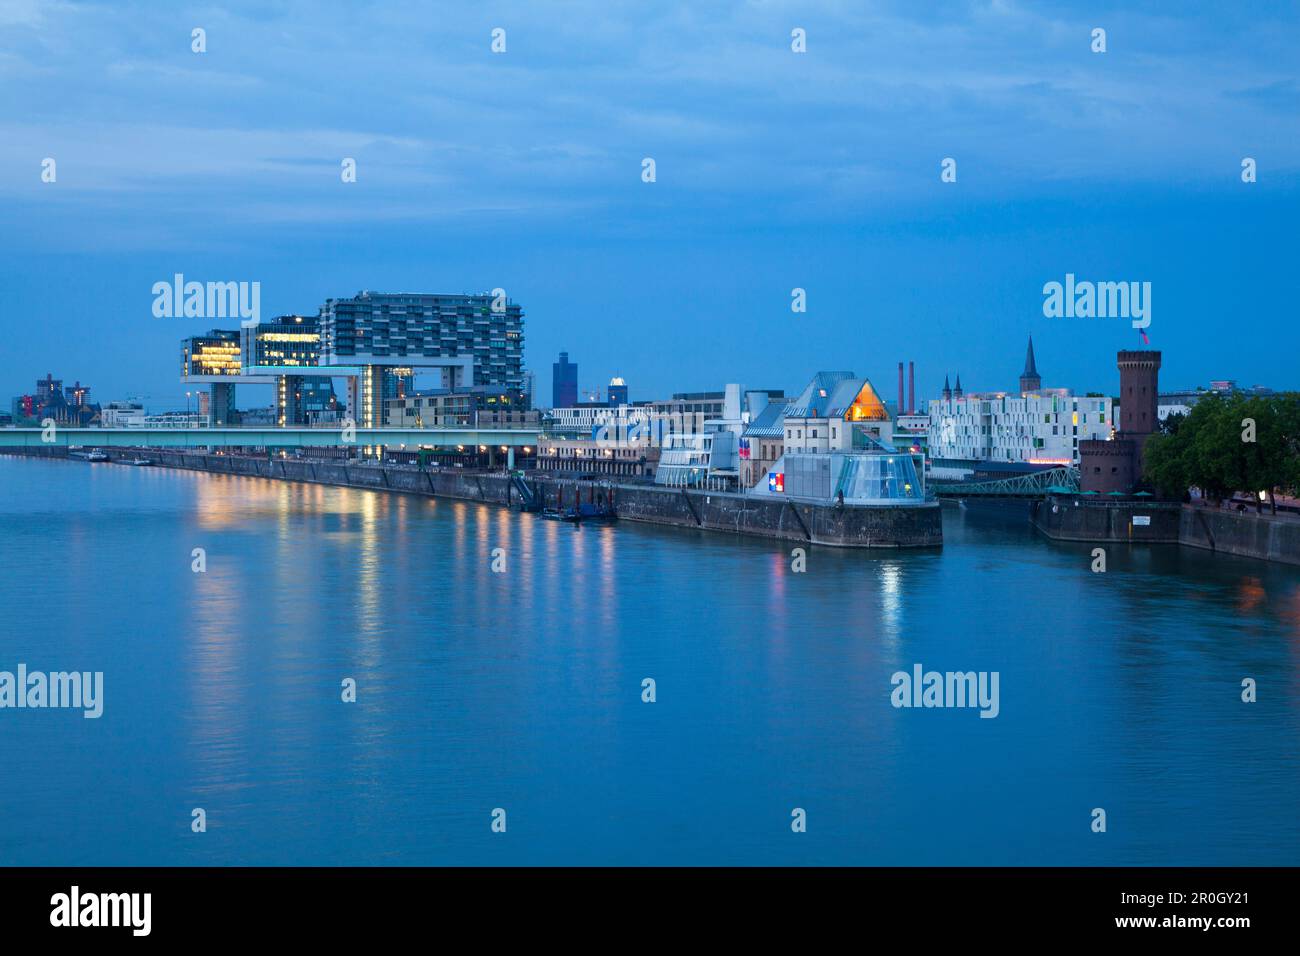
(522, 689)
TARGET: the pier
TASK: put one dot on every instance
(911, 525)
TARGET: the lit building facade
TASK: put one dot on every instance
(215, 355)
(835, 441)
(214, 359)
(287, 341)
(836, 412)
(282, 346)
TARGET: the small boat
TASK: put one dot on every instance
(597, 514)
(139, 462)
(96, 455)
(593, 512)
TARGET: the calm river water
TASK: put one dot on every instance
(522, 690)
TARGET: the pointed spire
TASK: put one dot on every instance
(947, 389)
(1031, 369)
(956, 389)
(1030, 380)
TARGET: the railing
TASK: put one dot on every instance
(1034, 485)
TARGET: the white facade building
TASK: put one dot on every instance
(176, 420)
(1042, 427)
(122, 415)
(586, 419)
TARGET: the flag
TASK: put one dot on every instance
(1143, 333)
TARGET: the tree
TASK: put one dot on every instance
(1229, 444)
(1165, 467)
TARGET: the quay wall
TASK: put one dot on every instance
(1080, 518)
(785, 519)
(1271, 537)
(1244, 534)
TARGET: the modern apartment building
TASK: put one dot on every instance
(1043, 428)
(1034, 426)
(475, 339)
(122, 415)
(478, 407)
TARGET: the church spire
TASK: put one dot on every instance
(1030, 380)
(956, 391)
(947, 389)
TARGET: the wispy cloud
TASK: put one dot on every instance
(561, 121)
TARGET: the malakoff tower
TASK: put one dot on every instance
(1116, 465)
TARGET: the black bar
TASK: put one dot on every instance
(211, 905)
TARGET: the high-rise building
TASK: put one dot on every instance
(282, 346)
(48, 389)
(564, 382)
(77, 395)
(617, 392)
(474, 339)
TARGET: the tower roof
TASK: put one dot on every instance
(1031, 369)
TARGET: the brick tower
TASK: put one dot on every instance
(1139, 375)
(1116, 465)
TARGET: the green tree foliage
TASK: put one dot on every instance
(1210, 448)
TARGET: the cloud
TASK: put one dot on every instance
(558, 125)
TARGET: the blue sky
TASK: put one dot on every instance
(775, 170)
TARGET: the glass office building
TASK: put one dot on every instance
(877, 478)
(213, 354)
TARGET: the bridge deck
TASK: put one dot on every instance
(1033, 485)
(264, 437)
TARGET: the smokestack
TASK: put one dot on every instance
(902, 409)
(911, 388)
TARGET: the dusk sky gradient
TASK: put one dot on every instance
(775, 170)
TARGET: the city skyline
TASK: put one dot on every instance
(598, 392)
(774, 171)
